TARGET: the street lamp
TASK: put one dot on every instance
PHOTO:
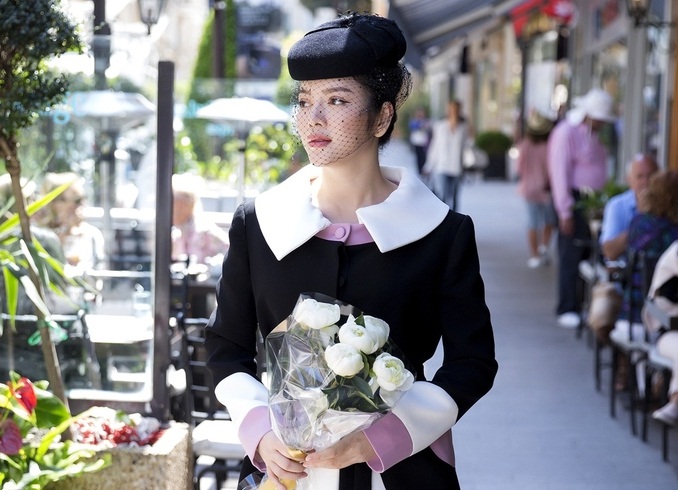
(638, 10)
(149, 11)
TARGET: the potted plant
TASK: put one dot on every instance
(495, 144)
(592, 203)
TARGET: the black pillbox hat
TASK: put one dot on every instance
(345, 47)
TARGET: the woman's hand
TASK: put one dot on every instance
(352, 449)
(279, 464)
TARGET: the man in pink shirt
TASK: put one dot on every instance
(577, 161)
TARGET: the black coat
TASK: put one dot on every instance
(425, 290)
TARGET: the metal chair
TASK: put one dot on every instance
(76, 352)
(632, 350)
(214, 434)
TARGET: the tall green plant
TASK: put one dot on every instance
(31, 33)
(207, 85)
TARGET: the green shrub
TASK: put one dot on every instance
(493, 142)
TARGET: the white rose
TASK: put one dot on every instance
(391, 373)
(344, 360)
(378, 329)
(327, 334)
(357, 336)
(316, 315)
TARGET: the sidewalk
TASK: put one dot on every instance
(543, 425)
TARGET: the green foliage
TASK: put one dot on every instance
(231, 41)
(18, 257)
(30, 34)
(268, 153)
(493, 142)
(205, 85)
(285, 86)
(592, 203)
(41, 457)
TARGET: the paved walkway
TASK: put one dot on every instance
(543, 425)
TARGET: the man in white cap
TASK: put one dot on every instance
(577, 160)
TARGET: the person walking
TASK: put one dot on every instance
(372, 236)
(420, 135)
(444, 156)
(577, 162)
(535, 188)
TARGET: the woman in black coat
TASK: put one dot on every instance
(372, 236)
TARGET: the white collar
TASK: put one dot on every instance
(288, 219)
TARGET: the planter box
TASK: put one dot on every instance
(496, 167)
(167, 465)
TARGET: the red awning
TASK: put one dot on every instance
(561, 10)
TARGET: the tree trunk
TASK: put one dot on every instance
(8, 151)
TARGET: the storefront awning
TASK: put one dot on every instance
(434, 23)
(563, 11)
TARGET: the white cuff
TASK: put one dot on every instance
(427, 411)
(240, 393)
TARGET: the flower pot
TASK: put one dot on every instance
(167, 465)
(496, 167)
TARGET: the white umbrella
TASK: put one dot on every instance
(246, 110)
(111, 112)
(108, 110)
(242, 113)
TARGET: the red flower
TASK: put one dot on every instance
(10, 437)
(23, 391)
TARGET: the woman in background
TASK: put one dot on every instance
(533, 186)
(444, 156)
(83, 243)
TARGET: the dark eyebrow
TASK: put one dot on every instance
(329, 90)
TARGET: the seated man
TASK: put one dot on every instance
(620, 209)
(194, 236)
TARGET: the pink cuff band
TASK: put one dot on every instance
(390, 440)
(255, 425)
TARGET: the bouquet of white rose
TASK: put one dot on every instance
(332, 371)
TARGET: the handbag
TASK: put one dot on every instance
(606, 302)
(473, 158)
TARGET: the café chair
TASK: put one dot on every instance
(630, 349)
(214, 435)
(20, 349)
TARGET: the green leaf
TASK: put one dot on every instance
(50, 437)
(50, 410)
(11, 289)
(362, 385)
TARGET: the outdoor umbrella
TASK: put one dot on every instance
(242, 113)
(109, 113)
